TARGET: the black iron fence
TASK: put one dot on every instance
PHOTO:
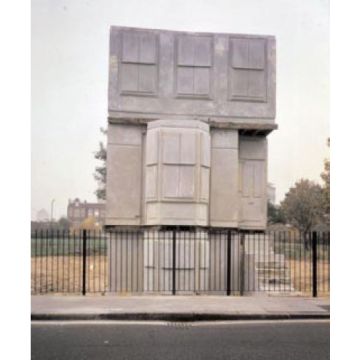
(180, 262)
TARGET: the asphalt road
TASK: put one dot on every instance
(278, 340)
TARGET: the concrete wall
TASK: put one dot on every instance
(166, 90)
(180, 75)
(124, 175)
(253, 183)
(224, 178)
(177, 173)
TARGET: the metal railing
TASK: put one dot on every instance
(180, 262)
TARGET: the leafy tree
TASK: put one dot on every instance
(100, 171)
(275, 214)
(303, 205)
(325, 176)
(90, 223)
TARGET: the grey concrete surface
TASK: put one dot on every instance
(177, 307)
(280, 340)
(183, 85)
(224, 77)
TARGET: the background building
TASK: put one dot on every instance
(78, 212)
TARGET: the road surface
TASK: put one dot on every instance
(248, 340)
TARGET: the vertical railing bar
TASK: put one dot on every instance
(154, 236)
(158, 261)
(92, 245)
(212, 250)
(57, 261)
(99, 259)
(194, 262)
(78, 237)
(164, 267)
(111, 262)
(323, 259)
(329, 249)
(72, 237)
(239, 259)
(248, 244)
(184, 262)
(136, 270)
(305, 262)
(148, 262)
(118, 260)
(123, 261)
(283, 245)
(242, 263)
(169, 266)
(308, 266)
(51, 242)
(46, 257)
(314, 263)
(35, 261)
(214, 282)
(84, 263)
(91, 262)
(301, 261)
(186, 272)
(126, 261)
(180, 252)
(137, 259)
(184, 235)
(106, 260)
(228, 263)
(63, 265)
(69, 256)
(204, 253)
(293, 262)
(256, 254)
(102, 261)
(320, 262)
(256, 258)
(219, 258)
(41, 258)
(214, 255)
(174, 262)
(274, 261)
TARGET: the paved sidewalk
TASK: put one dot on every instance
(173, 308)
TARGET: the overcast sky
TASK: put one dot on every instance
(70, 71)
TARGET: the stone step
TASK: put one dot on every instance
(275, 281)
(272, 272)
(271, 265)
(282, 289)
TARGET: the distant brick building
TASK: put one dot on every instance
(78, 211)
